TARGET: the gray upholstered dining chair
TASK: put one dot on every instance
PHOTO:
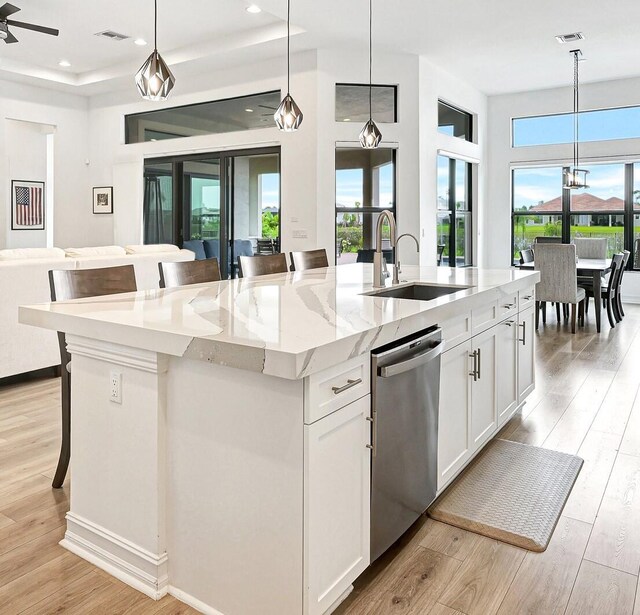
(558, 279)
(591, 247)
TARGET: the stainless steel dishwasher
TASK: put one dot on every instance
(405, 396)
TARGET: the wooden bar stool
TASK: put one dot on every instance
(310, 259)
(77, 284)
(189, 272)
(252, 266)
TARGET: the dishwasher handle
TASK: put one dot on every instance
(404, 366)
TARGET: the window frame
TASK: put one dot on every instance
(452, 211)
(363, 210)
(148, 116)
(472, 127)
(394, 87)
(565, 213)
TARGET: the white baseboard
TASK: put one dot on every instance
(194, 603)
(339, 601)
(131, 564)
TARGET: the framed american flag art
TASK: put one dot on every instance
(27, 205)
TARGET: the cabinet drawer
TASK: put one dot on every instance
(482, 318)
(456, 330)
(508, 305)
(336, 387)
(526, 298)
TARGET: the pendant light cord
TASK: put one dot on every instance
(155, 24)
(576, 110)
(288, 46)
(370, 57)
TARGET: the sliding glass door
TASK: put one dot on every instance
(229, 199)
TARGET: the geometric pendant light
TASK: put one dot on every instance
(154, 79)
(576, 178)
(370, 135)
(288, 116)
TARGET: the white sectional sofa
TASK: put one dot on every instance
(24, 279)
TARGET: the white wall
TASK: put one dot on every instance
(28, 162)
(120, 165)
(502, 157)
(74, 222)
(436, 84)
(308, 156)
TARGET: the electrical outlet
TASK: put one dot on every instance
(115, 387)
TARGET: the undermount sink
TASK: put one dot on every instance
(417, 292)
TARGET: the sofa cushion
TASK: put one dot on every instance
(212, 248)
(95, 251)
(152, 248)
(197, 247)
(24, 253)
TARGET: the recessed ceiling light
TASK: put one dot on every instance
(140, 41)
(569, 38)
(249, 110)
(64, 63)
(254, 8)
(346, 119)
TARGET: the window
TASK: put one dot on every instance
(352, 103)
(598, 211)
(454, 222)
(365, 185)
(231, 198)
(219, 116)
(600, 125)
(454, 122)
(537, 206)
(609, 208)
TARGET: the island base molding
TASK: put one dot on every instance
(137, 567)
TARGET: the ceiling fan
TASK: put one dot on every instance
(8, 9)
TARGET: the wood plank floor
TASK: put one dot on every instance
(586, 402)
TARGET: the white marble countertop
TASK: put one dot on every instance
(287, 325)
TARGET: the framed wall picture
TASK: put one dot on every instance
(27, 205)
(103, 200)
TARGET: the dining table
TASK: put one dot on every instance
(595, 268)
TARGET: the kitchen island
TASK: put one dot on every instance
(231, 468)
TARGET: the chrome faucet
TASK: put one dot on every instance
(379, 271)
(396, 269)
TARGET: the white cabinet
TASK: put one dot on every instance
(337, 504)
(507, 364)
(454, 447)
(484, 419)
(526, 362)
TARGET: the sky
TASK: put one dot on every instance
(349, 186)
(601, 125)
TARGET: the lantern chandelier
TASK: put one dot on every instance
(576, 178)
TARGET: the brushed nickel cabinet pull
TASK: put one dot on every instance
(474, 373)
(524, 333)
(345, 387)
(479, 366)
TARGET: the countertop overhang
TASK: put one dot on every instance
(285, 325)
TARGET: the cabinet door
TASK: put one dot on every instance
(484, 416)
(337, 503)
(454, 445)
(507, 362)
(526, 361)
